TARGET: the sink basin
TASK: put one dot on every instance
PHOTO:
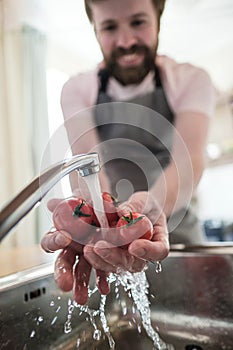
(191, 308)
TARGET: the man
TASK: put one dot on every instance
(132, 72)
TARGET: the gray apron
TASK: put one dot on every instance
(136, 139)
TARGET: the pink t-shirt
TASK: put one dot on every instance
(187, 88)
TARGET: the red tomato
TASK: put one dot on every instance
(110, 204)
(135, 225)
(75, 216)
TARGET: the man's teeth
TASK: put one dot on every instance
(128, 58)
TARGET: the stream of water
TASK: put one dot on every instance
(93, 184)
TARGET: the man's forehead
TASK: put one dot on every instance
(107, 10)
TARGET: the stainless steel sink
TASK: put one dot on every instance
(191, 307)
(191, 300)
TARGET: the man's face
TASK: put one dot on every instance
(127, 31)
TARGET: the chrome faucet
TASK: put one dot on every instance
(32, 194)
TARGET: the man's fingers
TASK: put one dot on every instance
(55, 240)
(118, 236)
(150, 250)
(52, 203)
(158, 248)
(102, 282)
(96, 261)
(82, 274)
(63, 271)
(118, 257)
(142, 202)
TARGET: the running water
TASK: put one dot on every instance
(104, 323)
(134, 284)
(93, 184)
(138, 286)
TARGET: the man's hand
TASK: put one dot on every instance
(158, 248)
(106, 250)
(72, 270)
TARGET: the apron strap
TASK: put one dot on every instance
(103, 75)
(158, 82)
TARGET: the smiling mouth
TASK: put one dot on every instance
(130, 59)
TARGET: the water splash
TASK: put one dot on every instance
(104, 322)
(138, 285)
(68, 326)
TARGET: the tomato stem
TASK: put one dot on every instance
(130, 220)
(78, 212)
(114, 201)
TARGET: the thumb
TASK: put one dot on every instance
(52, 203)
(141, 202)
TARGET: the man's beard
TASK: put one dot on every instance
(131, 75)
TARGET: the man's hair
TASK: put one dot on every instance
(158, 4)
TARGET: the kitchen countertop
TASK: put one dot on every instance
(17, 259)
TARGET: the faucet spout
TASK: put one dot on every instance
(22, 204)
(89, 164)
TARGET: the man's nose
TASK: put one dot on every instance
(126, 39)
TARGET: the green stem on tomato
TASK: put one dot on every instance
(114, 201)
(78, 212)
(129, 219)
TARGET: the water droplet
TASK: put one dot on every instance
(78, 343)
(130, 324)
(33, 333)
(124, 310)
(134, 321)
(58, 309)
(40, 318)
(97, 334)
(158, 267)
(111, 343)
(71, 309)
(67, 327)
(54, 320)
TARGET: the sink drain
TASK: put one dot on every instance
(193, 347)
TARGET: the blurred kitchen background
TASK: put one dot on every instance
(43, 42)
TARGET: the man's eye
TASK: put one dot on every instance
(110, 28)
(138, 22)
